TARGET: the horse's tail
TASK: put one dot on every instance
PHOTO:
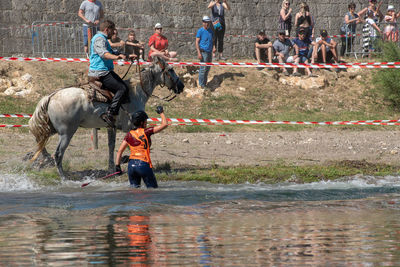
(40, 125)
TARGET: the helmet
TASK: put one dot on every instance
(138, 118)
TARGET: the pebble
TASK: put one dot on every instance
(185, 140)
(229, 142)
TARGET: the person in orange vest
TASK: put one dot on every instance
(139, 142)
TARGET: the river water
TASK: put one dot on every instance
(351, 222)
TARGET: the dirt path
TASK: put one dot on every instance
(310, 147)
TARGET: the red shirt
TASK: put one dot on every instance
(160, 42)
(134, 142)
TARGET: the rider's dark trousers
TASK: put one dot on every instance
(116, 85)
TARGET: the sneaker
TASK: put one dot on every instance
(109, 119)
(296, 74)
(223, 58)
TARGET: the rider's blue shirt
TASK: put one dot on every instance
(99, 66)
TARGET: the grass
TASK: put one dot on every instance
(281, 172)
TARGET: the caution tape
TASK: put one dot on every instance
(367, 65)
(188, 122)
(12, 126)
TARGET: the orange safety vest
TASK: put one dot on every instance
(142, 151)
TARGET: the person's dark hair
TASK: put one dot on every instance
(261, 32)
(352, 5)
(107, 24)
(138, 118)
(131, 32)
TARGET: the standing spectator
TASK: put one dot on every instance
(301, 46)
(218, 18)
(285, 18)
(158, 44)
(349, 29)
(370, 33)
(204, 47)
(391, 30)
(262, 48)
(372, 15)
(133, 47)
(304, 21)
(282, 47)
(325, 49)
(91, 12)
(116, 43)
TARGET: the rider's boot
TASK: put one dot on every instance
(109, 119)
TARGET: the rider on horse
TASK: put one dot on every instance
(101, 68)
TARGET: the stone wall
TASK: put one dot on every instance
(245, 17)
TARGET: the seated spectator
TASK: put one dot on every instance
(282, 47)
(301, 46)
(158, 44)
(325, 49)
(116, 43)
(134, 48)
(262, 48)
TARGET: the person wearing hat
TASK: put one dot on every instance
(325, 49)
(282, 47)
(391, 32)
(139, 141)
(158, 44)
(204, 47)
(262, 48)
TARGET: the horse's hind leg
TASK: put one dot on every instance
(63, 143)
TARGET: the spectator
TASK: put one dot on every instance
(158, 44)
(262, 48)
(349, 29)
(133, 47)
(370, 33)
(301, 46)
(116, 43)
(372, 15)
(218, 18)
(304, 21)
(204, 47)
(325, 49)
(91, 12)
(282, 47)
(285, 18)
(391, 31)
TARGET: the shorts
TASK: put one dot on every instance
(138, 170)
(85, 33)
(329, 56)
(303, 59)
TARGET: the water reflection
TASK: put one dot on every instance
(242, 233)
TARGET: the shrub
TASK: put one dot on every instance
(388, 80)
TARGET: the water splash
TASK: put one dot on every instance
(10, 182)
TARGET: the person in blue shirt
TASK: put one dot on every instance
(204, 47)
(102, 69)
(301, 46)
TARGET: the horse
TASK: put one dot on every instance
(67, 109)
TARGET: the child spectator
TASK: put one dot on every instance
(391, 31)
(370, 33)
(282, 47)
(116, 43)
(262, 48)
(325, 49)
(158, 44)
(134, 48)
(301, 45)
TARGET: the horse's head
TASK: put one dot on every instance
(168, 76)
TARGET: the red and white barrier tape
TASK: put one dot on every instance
(367, 65)
(180, 121)
(12, 126)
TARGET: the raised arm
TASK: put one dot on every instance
(226, 5)
(212, 3)
(164, 123)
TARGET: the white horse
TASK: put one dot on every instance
(65, 110)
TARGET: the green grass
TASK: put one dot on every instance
(281, 172)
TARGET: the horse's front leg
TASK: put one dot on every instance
(111, 146)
